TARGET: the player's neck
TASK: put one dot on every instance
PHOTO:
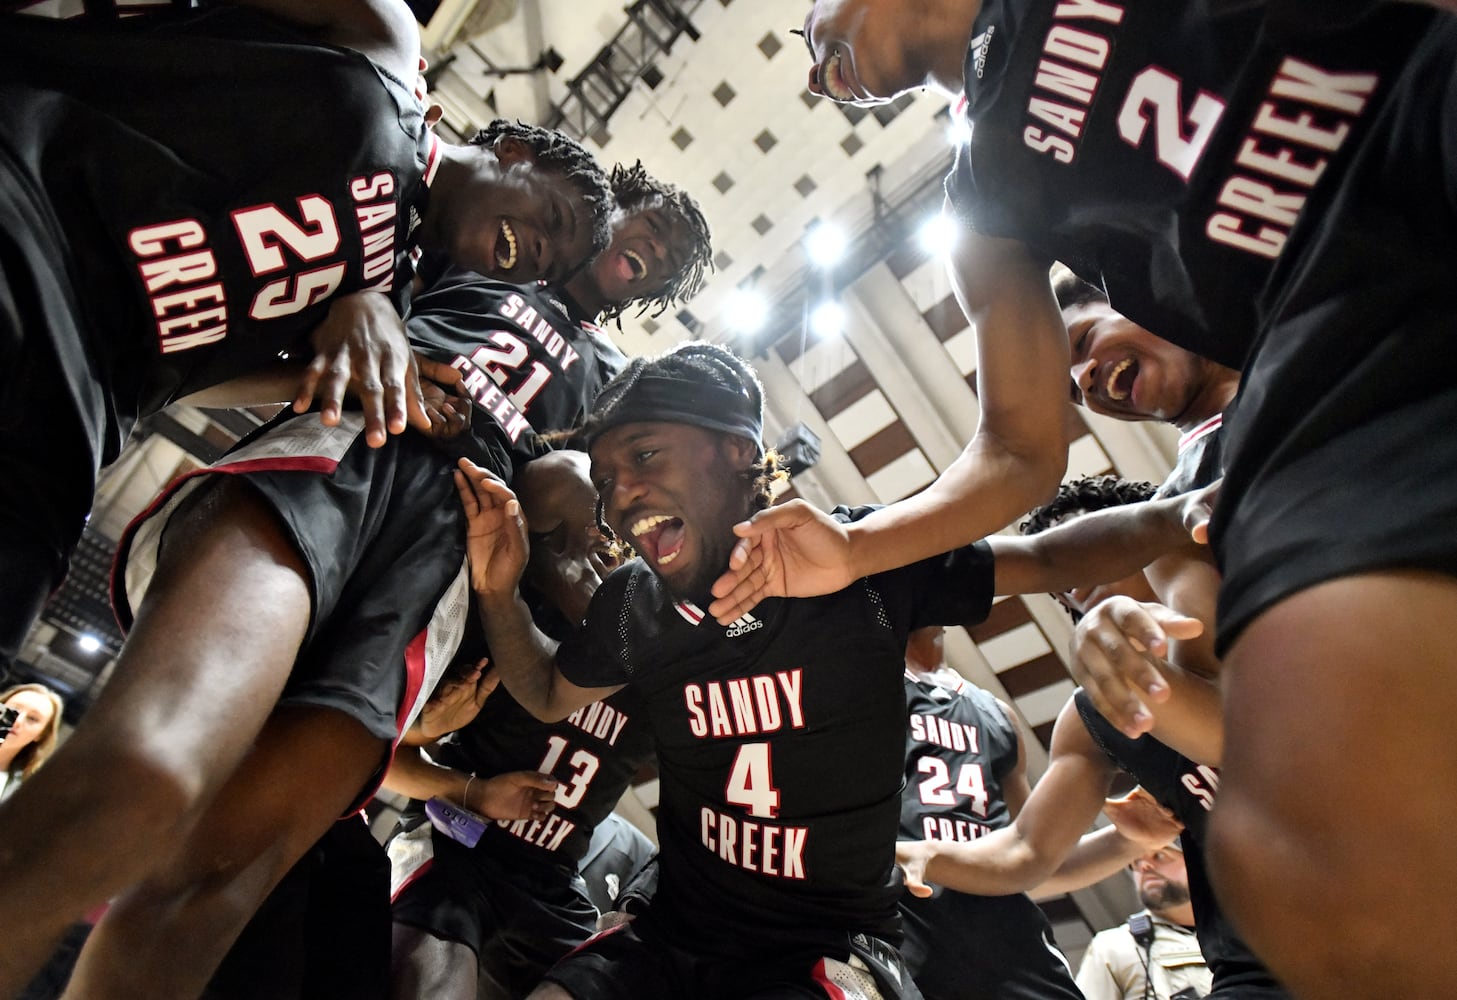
(1212, 399)
(585, 294)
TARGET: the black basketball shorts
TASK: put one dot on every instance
(383, 536)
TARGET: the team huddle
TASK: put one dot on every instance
(487, 561)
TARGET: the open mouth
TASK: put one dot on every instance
(506, 247)
(634, 268)
(832, 78)
(658, 537)
(1119, 384)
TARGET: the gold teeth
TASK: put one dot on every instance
(642, 267)
(507, 262)
(646, 524)
(1111, 384)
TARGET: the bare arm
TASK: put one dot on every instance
(1097, 548)
(1025, 854)
(1151, 667)
(1013, 462)
(1095, 856)
(513, 795)
(523, 656)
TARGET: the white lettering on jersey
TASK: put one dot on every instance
(952, 830)
(1306, 119)
(1202, 783)
(745, 706)
(376, 221)
(546, 833)
(1067, 78)
(539, 329)
(173, 258)
(959, 736)
(601, 720)
(489, 397)
(765, 848)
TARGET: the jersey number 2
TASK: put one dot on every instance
(1160, 92)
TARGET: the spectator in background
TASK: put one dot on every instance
(32, 736)
(1155, 955)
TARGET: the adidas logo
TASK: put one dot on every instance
(979, 45)
(742, 626)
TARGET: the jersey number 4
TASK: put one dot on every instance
(751, 782)
(936, 790)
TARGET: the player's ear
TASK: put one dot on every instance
(509, 149)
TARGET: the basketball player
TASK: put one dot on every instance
(489, 919)
(1172, 155)
(1086, 754)
(540, 347)
(174, 219)
(774, 878)
(966, 775)
(341, 564)
(1123, 371)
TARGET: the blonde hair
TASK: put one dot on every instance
(33, 756)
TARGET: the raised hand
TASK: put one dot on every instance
(1198, 508)
(793, 550)
(1116, 653)
(456, 701)
(360, 348)
(496, 535)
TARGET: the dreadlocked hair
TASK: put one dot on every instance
(635, 188)
(1084, 496)
(1070, 290)
(711, 364)
(555, 150)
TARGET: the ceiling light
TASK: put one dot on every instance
(89, 643)
(827, 320)
(746, 310)
(938, 235)
(824, 242)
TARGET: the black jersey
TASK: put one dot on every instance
(1164, 151)
(779, 741)
(594, 752)
(1187, 790)
(1200, 461)
(522, 353)
(207, 224)
(959, 747)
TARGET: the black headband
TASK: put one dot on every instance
(667, 399)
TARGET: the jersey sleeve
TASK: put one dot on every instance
(954, 588)
(594, 655)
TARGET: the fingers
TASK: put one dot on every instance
(913, 871)
(1108, 655)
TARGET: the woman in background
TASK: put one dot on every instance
(32, 735)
